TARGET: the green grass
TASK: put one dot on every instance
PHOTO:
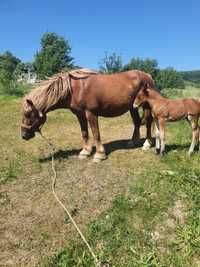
(14, 89)
(9, 173)
(135, 231)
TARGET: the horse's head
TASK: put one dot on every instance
(32, 120)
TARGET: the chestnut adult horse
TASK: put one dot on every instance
(87, 94)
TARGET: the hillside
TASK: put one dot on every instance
(193, 76)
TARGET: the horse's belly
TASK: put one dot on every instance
(111, 110)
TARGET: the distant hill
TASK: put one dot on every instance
(193, 76)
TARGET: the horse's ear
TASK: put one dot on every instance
(29, 102)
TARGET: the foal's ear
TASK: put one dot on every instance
(145, 89)
(146, 92)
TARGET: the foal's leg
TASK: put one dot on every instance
(157, 134)
(100, 151)
(149, 119)
(87, 148)
(137, 122)
(162, 136)
(195, 133)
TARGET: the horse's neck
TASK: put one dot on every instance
(155, 95)
(48, 106)
(63, 103)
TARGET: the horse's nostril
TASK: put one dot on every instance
(24, 136)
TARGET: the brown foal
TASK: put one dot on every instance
(164, 110)
(88, 95)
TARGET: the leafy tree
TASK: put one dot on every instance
(111, 63)
(23, 69)
(148, 65)
(169, 78)
(53, 56)
(166, 78)
(8, 64)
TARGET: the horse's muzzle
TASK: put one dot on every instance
(27, 135)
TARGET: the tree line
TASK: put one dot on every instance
(55, 55)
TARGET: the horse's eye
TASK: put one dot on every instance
(27, 114)
(32, 115)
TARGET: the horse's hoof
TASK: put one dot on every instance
(98, 157)
(157, 151)
(146, 145)
(162, 154)
(84, 154)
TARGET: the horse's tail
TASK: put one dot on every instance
(147, 81)
(150, 81)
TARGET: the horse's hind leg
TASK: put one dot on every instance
(136, 122)
(87, 149)
(100, 151)
(195, 133)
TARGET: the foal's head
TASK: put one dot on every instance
(146, 94)
(32, 120)
(142, 97)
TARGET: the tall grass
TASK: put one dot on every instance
(14, 89)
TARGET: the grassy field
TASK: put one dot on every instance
(135, 208)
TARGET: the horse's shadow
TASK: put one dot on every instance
(109, 147)
(122, 144)
(61, 154)
(175, 147)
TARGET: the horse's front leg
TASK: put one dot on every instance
(148, 119)
(195, 133)
(100, 151)
(136, 122)
(87, 148)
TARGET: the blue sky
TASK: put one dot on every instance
(168, 31)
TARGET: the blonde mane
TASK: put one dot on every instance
(47, 93)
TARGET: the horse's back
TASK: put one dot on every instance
(192, 105)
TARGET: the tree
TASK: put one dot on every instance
(111, 63)
(169, 78)
(148, 65)
(8, 64)
(53, 56)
